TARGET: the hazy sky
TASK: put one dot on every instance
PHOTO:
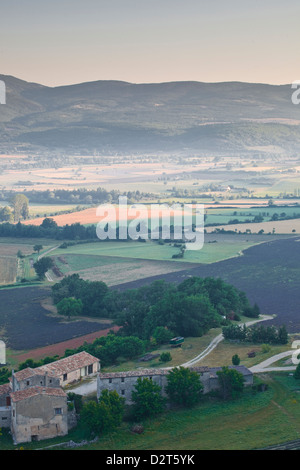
(59, 42)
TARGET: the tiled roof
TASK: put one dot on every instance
(242, 369)
(5, 389)
(152, 372)
(32, 391)
(200, 370)
(28, 372)
(68, 364)
(134, 373)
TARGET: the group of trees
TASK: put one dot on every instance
(17, 209)
(111, 347)
(188, 309)
(77, 196)
(184, 389)
(256, 334)
(48, 229)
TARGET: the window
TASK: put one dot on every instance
(28, 382)
(110, 381)
(90, 369)
(58, 411)
(123, 379)
(123, 392)
(65, 377)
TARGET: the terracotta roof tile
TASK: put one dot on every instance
(5, 389)
(68, 364)
(134, 373)
(28, 372)
(32, 391)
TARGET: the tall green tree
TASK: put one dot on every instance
(37, 248)
(297, 372)
(20, 205)
(6, 214)
(184, 386)
(231, 383)
(42, 266)
(147, 399)
(104, 415)
(69, 307)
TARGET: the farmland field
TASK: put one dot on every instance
(216, 248)
(268, 273)
(26, 324)
(8, 270)
(113, 270)
(279, 226)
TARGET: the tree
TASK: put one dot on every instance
(112, 406)
(184, 386)
(282, 335)
(20, 205)
(4, 375)
(147, 398)
(6, 214)
(102, 416)
(231, 383)
(297, 372)
(162, 335)
(37, 248)
(77, 400)
(48, 222)
(42, 266)
(235, 360)
(91, 418)
(69, 307)
(165, 357)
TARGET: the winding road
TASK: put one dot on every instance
(90, 386)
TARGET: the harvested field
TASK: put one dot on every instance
(25, 324)
(87, 216)
(8, 270)
(113, 270)
(59, 348)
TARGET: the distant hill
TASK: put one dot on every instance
(120, 117)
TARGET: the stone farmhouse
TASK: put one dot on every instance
(34, 404)
(123, 382)
(73, 368)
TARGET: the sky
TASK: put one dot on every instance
(61, 42)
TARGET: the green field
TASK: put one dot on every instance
(151, 250)
(223, 215)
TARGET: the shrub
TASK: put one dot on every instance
(235, 360)
(165, 357)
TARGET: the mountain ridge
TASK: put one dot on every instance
(119, 116)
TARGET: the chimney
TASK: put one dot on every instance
(13, 380)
